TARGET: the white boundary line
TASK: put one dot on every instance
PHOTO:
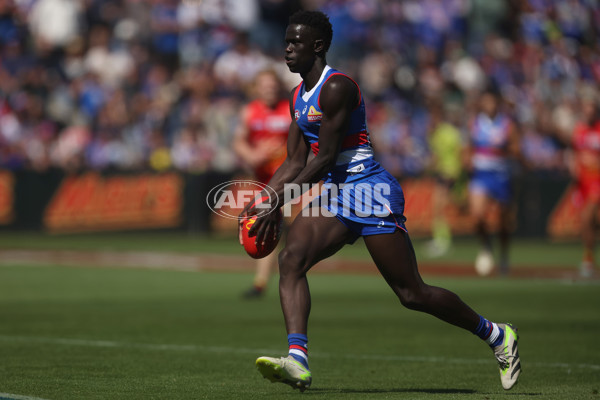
(258, 351)
(10, 396)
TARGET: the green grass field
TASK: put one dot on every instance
(525, 252)
(111, 333)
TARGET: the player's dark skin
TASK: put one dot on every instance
(313, 238)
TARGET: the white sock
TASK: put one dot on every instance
(494, 335)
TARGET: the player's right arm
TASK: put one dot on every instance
(297, 153)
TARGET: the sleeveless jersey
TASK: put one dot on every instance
(265, 123)
(357, 203)
(356, 154)
(489, 138)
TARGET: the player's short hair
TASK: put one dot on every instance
(316, 20)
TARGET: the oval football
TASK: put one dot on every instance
(259, 250)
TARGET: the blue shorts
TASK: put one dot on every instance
(494, 184)
(369, 203)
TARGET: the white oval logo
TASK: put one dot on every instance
(228, 199)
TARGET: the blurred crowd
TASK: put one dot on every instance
(158, 84)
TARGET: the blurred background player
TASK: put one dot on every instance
(446, 146)
(493, 140)
(586, 144)
(260, 141)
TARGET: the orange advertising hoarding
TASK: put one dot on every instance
(7, 194)
(91, 202)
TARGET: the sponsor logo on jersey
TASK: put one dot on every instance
(356, 169)
(314, 115)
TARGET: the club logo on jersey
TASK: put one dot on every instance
(314, 115)
(297, 115)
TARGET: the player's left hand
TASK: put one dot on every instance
(266, 226)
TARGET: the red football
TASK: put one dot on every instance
(257, 250)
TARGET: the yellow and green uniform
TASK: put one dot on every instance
(446, 146)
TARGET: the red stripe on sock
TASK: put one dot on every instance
(489, 332)
(296, 347)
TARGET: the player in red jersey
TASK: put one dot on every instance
(586, 144)
(330, 121)
(260, 141)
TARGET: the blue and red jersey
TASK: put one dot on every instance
(490, 140)
(357, 204)
(356, 153)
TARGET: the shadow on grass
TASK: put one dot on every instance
(317, 391)
(403, 390)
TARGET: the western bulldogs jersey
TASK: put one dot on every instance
(356, 154)
(489, 138)
(356, 203)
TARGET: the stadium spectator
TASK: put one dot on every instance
(193, 149)
(236, 68)
(73, 55)
(54, 23)
(165, 32)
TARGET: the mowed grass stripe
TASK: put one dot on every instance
(10, 396)
(258, 351)
(524, 251)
